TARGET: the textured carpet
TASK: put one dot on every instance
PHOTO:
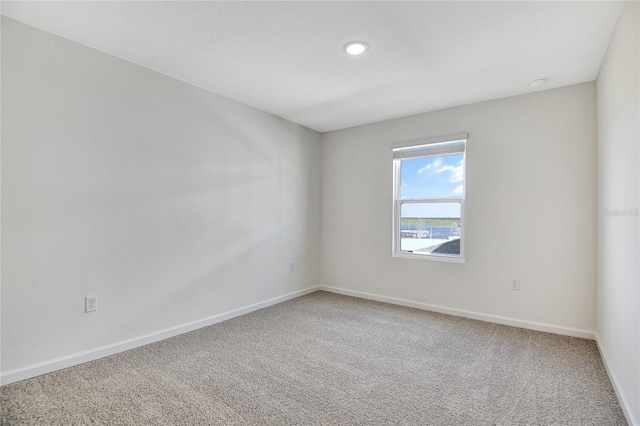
(325, 359)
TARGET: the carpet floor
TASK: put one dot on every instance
(327, 359)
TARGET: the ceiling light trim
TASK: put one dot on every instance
(537, 83)
(355, 48)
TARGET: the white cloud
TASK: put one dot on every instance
(458, 190)
(456, 172)
(431, 166)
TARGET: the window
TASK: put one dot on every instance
(428, 198)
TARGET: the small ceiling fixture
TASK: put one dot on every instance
(538, 82)
(355, 47)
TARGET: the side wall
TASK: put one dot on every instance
(531, 212)
(170, 203)
(618, 311)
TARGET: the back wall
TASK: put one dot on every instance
(530, 212)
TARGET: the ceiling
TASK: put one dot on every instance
(286, 58)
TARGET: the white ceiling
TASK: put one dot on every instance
(286, 58)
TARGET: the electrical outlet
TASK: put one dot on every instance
(91, 303)
(515, 284)
(292, 266)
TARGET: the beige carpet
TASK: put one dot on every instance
(326, 359)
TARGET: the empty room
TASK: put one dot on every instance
(320, 213)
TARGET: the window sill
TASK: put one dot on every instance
(432, 257)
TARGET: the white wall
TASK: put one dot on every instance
(531, 211)
(618, 309)
(170, 203)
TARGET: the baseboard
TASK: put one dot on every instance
(549, 328)
(624, 403)
(49, 366)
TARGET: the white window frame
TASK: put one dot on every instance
(429, 147)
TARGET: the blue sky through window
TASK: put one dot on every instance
(432, 177)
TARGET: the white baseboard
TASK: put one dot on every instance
(49, 366)
(624, 403)
(549, 328)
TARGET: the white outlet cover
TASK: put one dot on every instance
(91, 303)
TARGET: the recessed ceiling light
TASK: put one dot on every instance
(355, 47)
(538, 82)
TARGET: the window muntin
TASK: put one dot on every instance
(429, 196)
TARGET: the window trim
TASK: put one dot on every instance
(397, 202)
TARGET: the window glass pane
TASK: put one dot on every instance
(429, 177)
(430, 228)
